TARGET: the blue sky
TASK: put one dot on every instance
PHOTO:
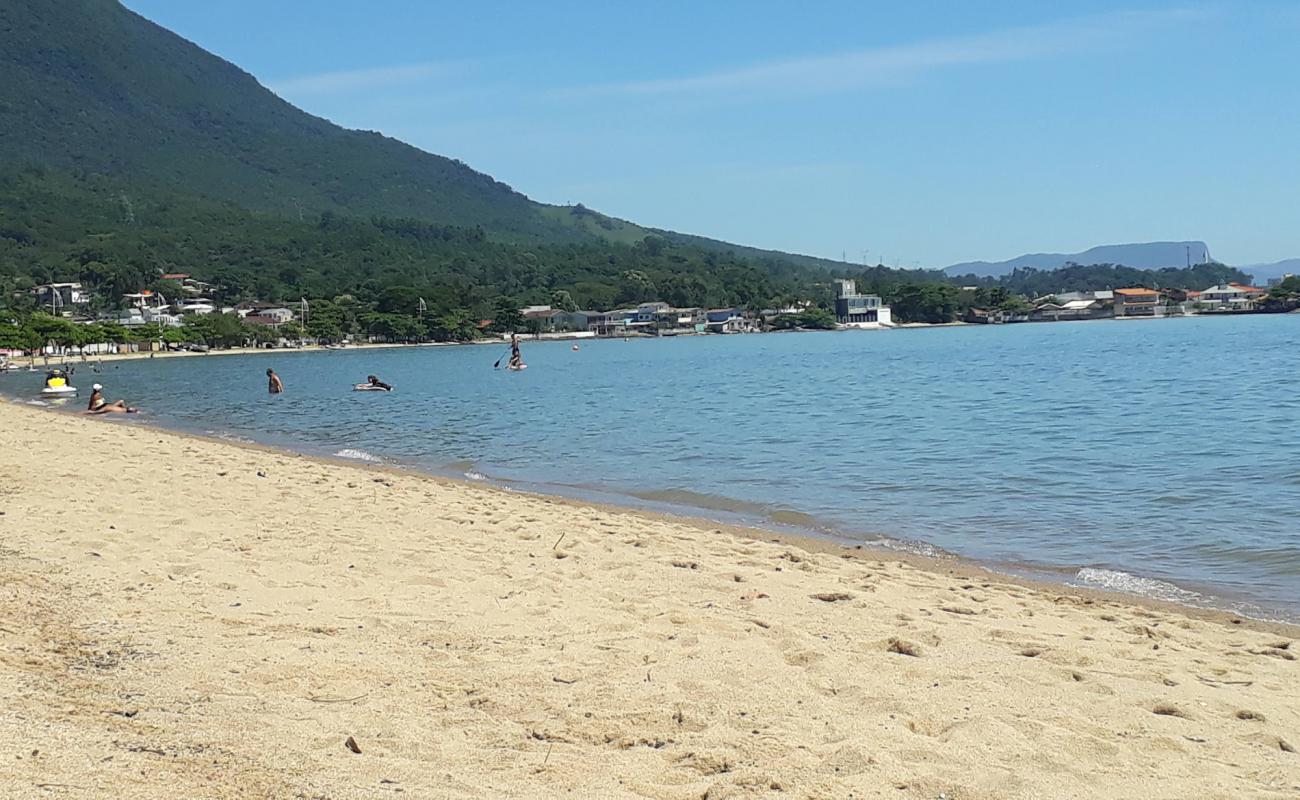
(920, 133)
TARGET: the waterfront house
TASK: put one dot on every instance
(646, 312)
(1054, 311)
(1232, 296)
(543, 319)
(858, 310)
(726, 320)
(994, 316)
(680, 319)
(1138, 302)
(1102, 295)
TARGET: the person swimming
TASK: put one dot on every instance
(98, 405)
(378, 384)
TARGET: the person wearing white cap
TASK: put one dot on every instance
(98, 405)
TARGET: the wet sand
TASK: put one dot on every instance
(182, 617)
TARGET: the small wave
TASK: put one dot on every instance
(915, 547)
(36, 403)
(1118, 581)
(230, 437)
(358, 455)
(475, 476)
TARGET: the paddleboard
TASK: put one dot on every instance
(365, 387)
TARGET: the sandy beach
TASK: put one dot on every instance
(189, 618)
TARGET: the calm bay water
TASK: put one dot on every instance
(1152, 456)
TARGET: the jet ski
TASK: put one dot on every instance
(56, 385)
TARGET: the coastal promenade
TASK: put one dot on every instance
(183, 617)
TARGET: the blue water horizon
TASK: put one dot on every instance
(1152, 456)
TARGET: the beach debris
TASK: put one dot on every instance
(316, 699)
(565, 681)
(557, 541)
(902, 647)
(1274, 652)
(352, 745)
(1213, 682)
(832, 597)
(261, 474)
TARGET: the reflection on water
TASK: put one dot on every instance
(1161, 449)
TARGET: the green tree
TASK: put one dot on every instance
(456, 325)
(506, 317)
(325, 321)
(563, 300)
(215, 330)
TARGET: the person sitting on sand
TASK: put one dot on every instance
(98, 405)
(273, 383)
(378, 384)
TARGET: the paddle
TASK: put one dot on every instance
(502, 358)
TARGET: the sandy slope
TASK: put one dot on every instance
(187, 618)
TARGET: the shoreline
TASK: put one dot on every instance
(183, 616)
(566, 337)
(1042, 576)
(827, 543)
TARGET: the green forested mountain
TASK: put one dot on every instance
(91, 86)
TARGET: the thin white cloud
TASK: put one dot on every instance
(885, 66)
(354, 80)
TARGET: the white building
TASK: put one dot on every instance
(60, 298)
(853, 310)
(1231, 295)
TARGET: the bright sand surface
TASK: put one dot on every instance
(186, 618)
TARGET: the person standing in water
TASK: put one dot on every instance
(273, 383)
(516, 359)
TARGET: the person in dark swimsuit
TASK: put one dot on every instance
(516, 359)
(273, 383)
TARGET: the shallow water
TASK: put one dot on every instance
(1154, 456)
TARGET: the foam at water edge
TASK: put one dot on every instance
(912, 546)
(1118, 581)
(475, 476)
(358, 455)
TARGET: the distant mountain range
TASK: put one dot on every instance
(1143, 255)
(1265, 272)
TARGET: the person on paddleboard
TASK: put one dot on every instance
(516, 359)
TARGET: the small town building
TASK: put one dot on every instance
(858, 310)
(1138, 302)
(1232, 296)
(60, 298)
